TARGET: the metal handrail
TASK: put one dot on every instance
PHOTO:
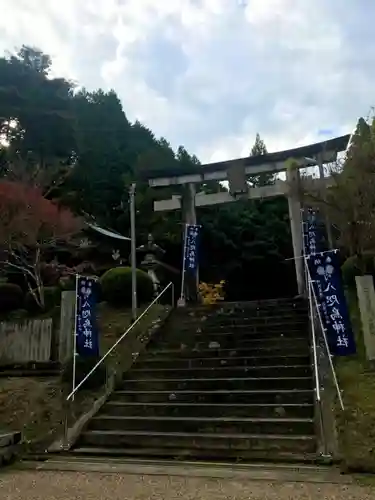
(314, 343)
(311, 288)
(316, 364)
(313, 333)
(101, 360)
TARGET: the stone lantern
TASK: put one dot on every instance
(151, 252)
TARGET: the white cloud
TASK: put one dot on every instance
(209, 74)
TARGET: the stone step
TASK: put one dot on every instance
(299, 347)
(289, 410)
(218, 396)
(10, 438)
(9, 446)
(249, 325)
(232, 342)
(240, 307)
(204, 455)
(214, 425)
(102, 462)
(249, 333)
(168, 442)
(209, 384)
(245, 318)
(228, 371)
(152, 362)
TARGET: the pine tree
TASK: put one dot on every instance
(259, 147)
(265, 179)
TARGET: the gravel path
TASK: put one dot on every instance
(33, 485)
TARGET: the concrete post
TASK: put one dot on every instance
(189, 216)
(133, 253)
(366, 302)
(292, 177)
(66, 332)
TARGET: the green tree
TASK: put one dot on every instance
(246, 244)
(259, 147)
(34, 59)
(349, 201)
(103, 136)
(36, 118)
(266, 179)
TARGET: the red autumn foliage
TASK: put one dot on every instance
(28, 219)
(30, 224)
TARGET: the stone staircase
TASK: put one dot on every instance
(9, 446)
(228, 383)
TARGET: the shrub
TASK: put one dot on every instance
(17, 315)
(352, 267)
(67, 283)
(11, 297)
(211, 294)
(52, 297)
(117, 286)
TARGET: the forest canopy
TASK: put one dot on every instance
(80, 149)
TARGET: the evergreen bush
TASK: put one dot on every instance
(116, 286)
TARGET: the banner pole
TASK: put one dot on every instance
(304, 246)
(75, 340)
(182, 295)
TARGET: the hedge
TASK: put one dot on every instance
(52, 298)
(11, 297)
(68, 283)
(116, 285)
(352, 268)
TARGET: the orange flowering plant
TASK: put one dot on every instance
(212, 293)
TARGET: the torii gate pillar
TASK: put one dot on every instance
(295, 215)
(189, 216)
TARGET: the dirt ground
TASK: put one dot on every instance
(32, 485)
(34, 406)
(28, 404)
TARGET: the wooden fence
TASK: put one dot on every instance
(39, 340)
(26, 342)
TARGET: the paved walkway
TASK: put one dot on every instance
(50, 485)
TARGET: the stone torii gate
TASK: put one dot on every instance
(236, 172)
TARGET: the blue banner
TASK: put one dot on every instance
(191, 248)
(313, 233)
(87, 333)
(325, 274)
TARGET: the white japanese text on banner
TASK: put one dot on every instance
(87, 334)
(191, 248)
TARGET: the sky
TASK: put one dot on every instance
(210, 74)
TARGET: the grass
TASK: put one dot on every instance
(114, 322)
(356, 425)
(36, 406)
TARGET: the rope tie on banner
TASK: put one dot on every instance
(335, 250)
